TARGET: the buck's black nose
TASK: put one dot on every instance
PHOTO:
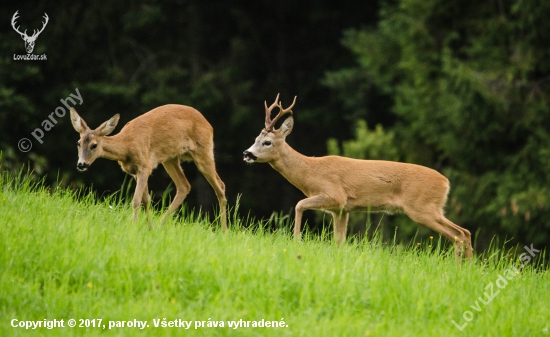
(249, 156)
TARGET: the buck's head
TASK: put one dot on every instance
(89, 145)
(268, 144)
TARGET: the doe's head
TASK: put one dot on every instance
(266, 147)
(89, 144)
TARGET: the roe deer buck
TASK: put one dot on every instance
(341, 185)
(167, 135)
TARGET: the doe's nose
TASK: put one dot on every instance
(82, 166)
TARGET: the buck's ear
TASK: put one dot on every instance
(78, 123)
(108, 127)
(286, 128)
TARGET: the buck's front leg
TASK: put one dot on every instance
(340, 220)
(320, 201)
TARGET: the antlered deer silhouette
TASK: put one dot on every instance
(29, 40)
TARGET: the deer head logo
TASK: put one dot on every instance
(29, 40)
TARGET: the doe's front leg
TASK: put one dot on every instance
(141, 188)
(146, 200)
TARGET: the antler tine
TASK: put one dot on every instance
(14, 22)
(281, 113)
(290, 107)
(46, 19)
(268, 112)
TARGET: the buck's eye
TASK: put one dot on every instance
(267, 143)
(77, 144)
(93, 146)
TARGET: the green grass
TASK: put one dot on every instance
(61, 259)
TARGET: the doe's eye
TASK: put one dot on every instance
(93, 146)
(77, 144)
(267, 143)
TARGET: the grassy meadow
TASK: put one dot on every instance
(64, 257)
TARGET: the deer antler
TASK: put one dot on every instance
(269, 123)
(268, 112)
(43, 25)
(35, 33)
(13, 19)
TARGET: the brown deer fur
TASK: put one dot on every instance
(341, 185)
(165, 135)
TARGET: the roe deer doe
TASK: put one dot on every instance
(165, 135)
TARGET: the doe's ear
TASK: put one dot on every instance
(108, 127)
(78, 123)
(286, 128)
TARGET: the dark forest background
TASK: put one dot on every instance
(461, 86)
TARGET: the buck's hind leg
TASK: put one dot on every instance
(462, 242)
(435, 220)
